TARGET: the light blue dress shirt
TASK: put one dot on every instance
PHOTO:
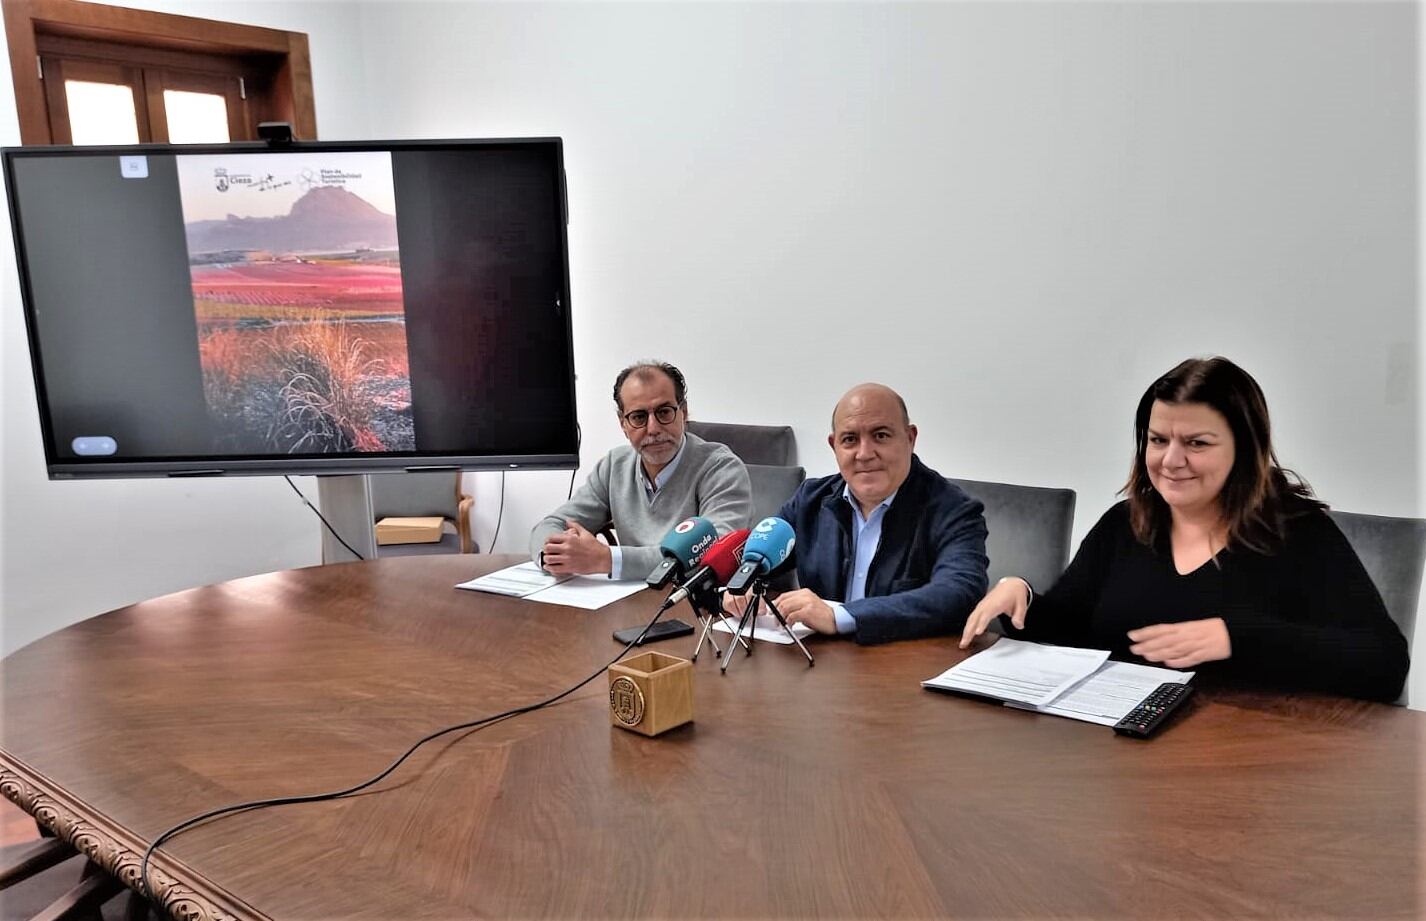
(866, 537)
(616, 557)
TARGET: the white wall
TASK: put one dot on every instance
(1017, 214)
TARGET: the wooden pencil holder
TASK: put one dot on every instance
(651, 693)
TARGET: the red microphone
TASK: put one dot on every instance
(726, 555)
(717, 566)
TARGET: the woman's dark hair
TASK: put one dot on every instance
(642, 369)
(1259, 495)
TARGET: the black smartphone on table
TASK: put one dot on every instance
(663, 630)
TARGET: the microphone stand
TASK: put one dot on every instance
(706, 613)
(750, 616)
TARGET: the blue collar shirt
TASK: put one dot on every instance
(866, 538)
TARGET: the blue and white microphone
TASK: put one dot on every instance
(768, 550)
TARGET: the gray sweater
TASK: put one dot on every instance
(709, 481)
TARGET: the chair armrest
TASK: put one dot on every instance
(463, 523)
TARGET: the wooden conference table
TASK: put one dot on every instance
(839, 790)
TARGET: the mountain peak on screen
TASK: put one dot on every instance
(333, 203)
(327, 217)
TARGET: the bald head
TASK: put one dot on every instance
(872, 437)
(873, 392)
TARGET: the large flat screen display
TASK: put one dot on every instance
(315, 308)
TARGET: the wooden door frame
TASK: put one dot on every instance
(24, 19)
(159, 79)
(102, 72)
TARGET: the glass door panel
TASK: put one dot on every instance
(101, 113)
(196, 118)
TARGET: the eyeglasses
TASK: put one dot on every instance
(638, 418)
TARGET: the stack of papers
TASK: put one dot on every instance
(530, 582)
(1060, 680)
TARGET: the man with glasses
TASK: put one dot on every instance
(665, 475)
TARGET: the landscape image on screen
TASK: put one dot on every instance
(297, 293)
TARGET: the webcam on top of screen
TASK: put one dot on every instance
(277, 134)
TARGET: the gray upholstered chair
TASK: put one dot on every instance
(1393, 550)
(424, 495)
(772, 486)
(769, 445)
(1029, 529)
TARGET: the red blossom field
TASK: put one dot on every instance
(322, 285)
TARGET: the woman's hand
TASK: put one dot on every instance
(1184, 645)
(1010, 595)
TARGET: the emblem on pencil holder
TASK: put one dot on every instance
(626, 701)
(651, 693)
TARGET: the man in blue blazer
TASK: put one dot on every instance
(886, 549)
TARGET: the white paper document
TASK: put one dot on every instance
(766, 627)
(515, 581)
(1081, 684)
(1014, 670)
(588, 592)
(1108, 695)
(530, 582)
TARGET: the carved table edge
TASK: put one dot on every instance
(113, 849)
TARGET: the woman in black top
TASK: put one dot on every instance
(1219, 559)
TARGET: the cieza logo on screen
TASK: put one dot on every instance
(224, 179)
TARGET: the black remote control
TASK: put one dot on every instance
(1153, 710)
